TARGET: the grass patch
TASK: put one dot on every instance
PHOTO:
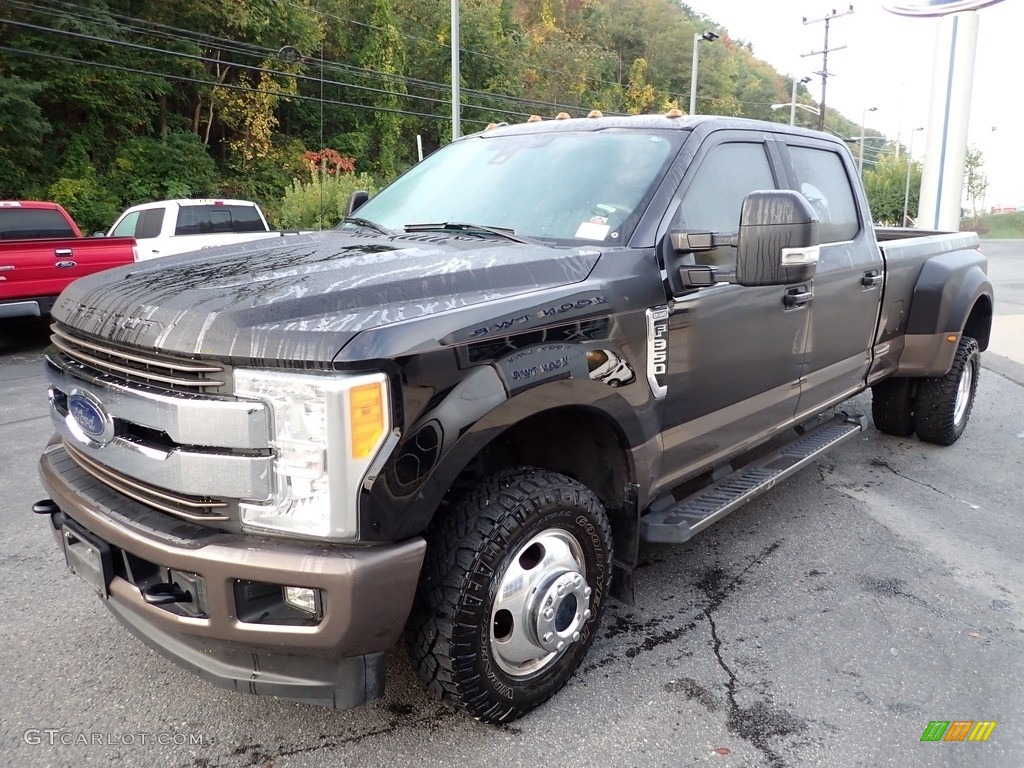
(1004, 226)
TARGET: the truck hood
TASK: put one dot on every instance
(306, 296)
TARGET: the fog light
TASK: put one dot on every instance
(303, 599)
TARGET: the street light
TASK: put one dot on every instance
(792, 100)
(860, 155)
(910, 164)
(697, 37)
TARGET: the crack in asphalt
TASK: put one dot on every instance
(258, 755)
(759, 722)
(893, 587)
(885, 465)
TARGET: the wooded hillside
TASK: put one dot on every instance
(107, 103)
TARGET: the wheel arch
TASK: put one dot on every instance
(952, 290)
(582, 429)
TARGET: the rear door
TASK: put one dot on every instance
(849, 279)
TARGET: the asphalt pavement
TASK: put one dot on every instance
(825, 624)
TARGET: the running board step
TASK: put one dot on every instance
(677, 523)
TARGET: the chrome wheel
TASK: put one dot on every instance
(963, 394)
(541, 604)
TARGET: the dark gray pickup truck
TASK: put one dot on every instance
(458, 416)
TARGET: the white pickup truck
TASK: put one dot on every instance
(168, 227)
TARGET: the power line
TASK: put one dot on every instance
(266, 52)
(229, 86)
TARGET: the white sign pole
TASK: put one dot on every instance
(952, 80)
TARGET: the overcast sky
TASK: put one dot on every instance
(888, 64)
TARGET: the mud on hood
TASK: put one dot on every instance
(304, 297)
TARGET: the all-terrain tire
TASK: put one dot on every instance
(470, 633)
(942, 405)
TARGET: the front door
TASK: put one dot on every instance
(735, 353)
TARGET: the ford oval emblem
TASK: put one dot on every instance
(66, 264)
(91, 417)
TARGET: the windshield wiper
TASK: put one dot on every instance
(367, 224)
(470, 229)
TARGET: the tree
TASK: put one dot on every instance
(975, 180)
(885, 186)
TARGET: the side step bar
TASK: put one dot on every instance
(678, 522)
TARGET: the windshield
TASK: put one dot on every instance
(586, 186)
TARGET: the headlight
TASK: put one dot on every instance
(327, 430)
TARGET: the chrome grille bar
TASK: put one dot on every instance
(173, 372)
(179, 505)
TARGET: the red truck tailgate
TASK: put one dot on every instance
(35, 268)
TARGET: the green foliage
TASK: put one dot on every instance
(975, 180)
(178, 165)
(193, 97)
(83, 194)
(1002, 226)
(886, 185)
(322, 203)
(22, 127)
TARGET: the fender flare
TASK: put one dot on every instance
(397, 513)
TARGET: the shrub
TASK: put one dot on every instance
(323, 202)
(146, 169)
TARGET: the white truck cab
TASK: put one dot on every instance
(168, 227)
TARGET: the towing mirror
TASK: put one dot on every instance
(778, 239)
(356, 199)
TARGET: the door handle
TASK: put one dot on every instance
(797, 297)
(62, 252)
(872, 278)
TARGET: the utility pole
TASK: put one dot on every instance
(824, 52)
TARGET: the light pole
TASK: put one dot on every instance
(456, 75)
(792, 100)
(697, 37)
(860, 155)
(910, 164)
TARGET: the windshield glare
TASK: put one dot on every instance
(586, 186)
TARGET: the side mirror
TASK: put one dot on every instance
(356, 199)
(778, 239)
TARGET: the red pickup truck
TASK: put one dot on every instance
(42, 252)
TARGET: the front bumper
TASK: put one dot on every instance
(339, 662)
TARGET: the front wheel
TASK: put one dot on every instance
(942, 405)
(516, 576)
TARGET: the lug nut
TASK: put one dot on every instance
(548, 636)
(548, 613)
(560, 646)
(575, 636)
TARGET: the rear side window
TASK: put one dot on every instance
(150, 222)
(32, 223)
(210, 219)
(821, 178)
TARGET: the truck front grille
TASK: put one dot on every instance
(193, 508)
(141, 367)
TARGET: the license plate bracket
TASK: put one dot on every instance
(88, 557)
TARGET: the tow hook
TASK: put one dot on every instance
(165, 593)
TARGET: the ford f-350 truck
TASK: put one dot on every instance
(458, 416)
(42, 251)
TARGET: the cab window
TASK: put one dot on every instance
(712, 201)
